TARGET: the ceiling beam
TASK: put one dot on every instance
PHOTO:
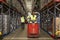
(22, 5)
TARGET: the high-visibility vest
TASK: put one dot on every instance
(33, 17)
(22, 19)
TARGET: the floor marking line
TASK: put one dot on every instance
(28, 38)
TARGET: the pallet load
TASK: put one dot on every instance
(52, 7)
(5, 24)
(14, 23)
(58, 27)
(11, 25)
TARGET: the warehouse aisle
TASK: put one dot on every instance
(22, 35)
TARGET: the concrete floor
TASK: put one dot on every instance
(22, 35)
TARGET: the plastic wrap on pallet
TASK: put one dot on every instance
(14, 21)
(11, 27)
(5, 24)
(13, 24)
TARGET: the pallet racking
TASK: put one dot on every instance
(49, 13)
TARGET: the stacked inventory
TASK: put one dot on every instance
(58, 26)
(52, 9)
(8, 19)
(14, 23)
(11, 26)
(5, 24)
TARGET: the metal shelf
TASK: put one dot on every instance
(50, 9)
(12, 14)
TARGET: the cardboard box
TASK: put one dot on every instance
(57, 24)
(5, 24)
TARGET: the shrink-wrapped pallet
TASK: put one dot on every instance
(5, 24)
(13, 24)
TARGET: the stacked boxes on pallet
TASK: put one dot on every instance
(8, 26)
(54, 23)
(8, 22)
(5, 24)
(11, 25)
(58, 26)
(14, 23)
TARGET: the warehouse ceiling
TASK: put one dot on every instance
(29, 5)
(36, 5)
